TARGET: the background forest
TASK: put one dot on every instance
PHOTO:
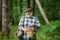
(46, 32)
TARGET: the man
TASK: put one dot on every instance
(28, 20)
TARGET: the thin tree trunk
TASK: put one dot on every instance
(3, 14)
(8, 3)
(5, 27)
(21, 5)
(33, 6)
(0, 15)
(28, 4)
(11, 12)
(42, 11)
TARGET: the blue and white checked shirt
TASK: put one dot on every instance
(28, 21)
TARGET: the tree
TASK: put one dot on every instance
(5, 28)
(21, 5)
(0, 15)
(33, 6)
(42, 11)
(28, 3)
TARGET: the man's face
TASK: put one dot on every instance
(29, 13)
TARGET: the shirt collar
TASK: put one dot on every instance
(29, 17)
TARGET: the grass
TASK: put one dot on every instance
(12, 34)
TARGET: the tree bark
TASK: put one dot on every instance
(21, 5)
(28, 4)
(0, 15)
(5, 27)
(11, 12)
(42, 11)
(33, 6)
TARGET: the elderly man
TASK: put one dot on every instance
(30, 21)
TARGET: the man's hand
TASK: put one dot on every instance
(24, 29)
(33, 25)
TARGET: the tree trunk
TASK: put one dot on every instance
(0, 15)
(42, 11)
(33, 6)
(21, 5)
(28, 4)
(11, 12)
(5, 27)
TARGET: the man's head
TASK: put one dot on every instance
(29, 12)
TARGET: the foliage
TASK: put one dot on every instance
(49, 32)
(15, 11)
(51, 8)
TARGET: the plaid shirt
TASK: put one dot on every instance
(27, 21)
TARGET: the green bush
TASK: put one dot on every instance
(49, 32)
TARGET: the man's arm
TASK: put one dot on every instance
(37, 23)
(20, 26)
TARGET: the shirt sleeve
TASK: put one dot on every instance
(20, 26)
(37, 22)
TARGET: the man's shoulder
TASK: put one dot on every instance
(27, 17)
(34, 17)
(22, 16)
